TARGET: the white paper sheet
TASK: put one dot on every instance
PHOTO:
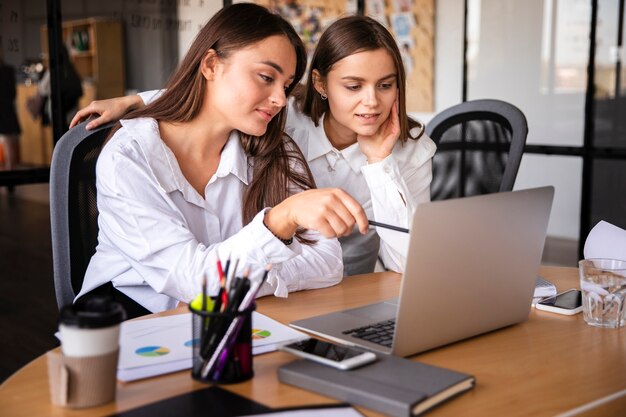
(606, 241)
(162, 345)
(543, 288)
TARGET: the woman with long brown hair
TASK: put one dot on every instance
(205, 172)
(352, 127)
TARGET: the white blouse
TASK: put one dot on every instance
(158, 236)
(388, 190)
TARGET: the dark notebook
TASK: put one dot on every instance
(213, 401)
(392, 385)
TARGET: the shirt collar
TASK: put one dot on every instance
(233, 159)
(163, 163)
(319, 145)
(355, 158)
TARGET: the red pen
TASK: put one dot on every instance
(220, 273)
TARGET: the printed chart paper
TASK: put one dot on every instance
(161, 345)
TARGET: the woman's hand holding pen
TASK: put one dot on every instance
(379, 146)
(330, 211)
(107, 110)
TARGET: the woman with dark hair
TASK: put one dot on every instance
(205, 172)
(40, 105)
(350, 122)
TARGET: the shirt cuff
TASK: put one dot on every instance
(277, 284)
(382, 173)
(149, 96)
(274, 250)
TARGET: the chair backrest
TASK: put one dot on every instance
(73, 209)
(479, 148)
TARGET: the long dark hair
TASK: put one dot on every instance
(229, 30)
(345, 37)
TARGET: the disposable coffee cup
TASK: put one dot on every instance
(91, 328)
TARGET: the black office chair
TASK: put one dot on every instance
(479, 148)
(73, 209)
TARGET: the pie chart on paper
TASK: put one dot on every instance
(152, 351)
(192, 342)
(260, 334)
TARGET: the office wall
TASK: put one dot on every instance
(508, 59)
(194, 15)
(19, 29)
(151, 27)
(511, 64)
(448, 78)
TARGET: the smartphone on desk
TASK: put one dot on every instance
(337, 356)
(568, 302)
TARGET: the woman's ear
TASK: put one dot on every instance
(318, 82)
(209, 64)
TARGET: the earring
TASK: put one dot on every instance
(323, 96)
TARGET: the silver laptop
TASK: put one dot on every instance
(471, 268)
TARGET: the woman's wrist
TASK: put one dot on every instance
(134, 102)
(281, 229)
(372, 159)
(375, 154)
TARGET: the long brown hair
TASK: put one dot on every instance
(345, 37)
(275, 155)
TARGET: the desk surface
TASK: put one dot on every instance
(548, 365)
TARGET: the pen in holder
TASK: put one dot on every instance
(222, 349)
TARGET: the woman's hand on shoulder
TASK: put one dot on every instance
(107, 111)
(380, 145)
(330, 211)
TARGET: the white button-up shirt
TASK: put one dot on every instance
(388, 190)
(158, 236)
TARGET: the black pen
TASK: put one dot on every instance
(226, 268)
(388, 226)
(205, 320)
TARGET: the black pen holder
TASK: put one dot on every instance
(222, 348)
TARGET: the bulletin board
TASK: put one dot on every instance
(310, 17)
(412, 23)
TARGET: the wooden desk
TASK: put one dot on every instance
(545, 366)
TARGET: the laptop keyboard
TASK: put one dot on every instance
(380, 333)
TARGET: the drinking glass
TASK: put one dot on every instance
(603, 285)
